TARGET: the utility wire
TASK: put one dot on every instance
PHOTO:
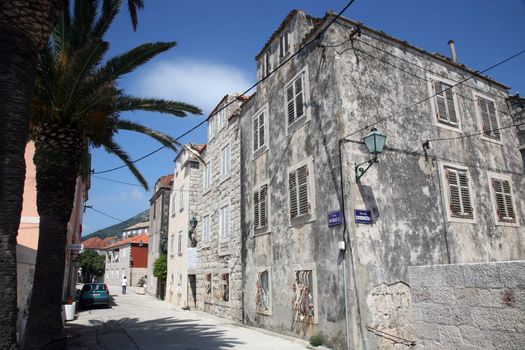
(116, 181)
(478, 74)
(476, 134)
(321, 32)
(98, 211)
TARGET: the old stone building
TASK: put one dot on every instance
(517, 106)
(443, 191)
(219, 278)
(181, 289)
(158, 232)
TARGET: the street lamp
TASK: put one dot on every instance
(193, 224)
(374, 142)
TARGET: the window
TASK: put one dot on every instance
(154, 209)
(266, 63)
(303, 303)
(224, 221)
(258, 131)
(283, 46)
(172, 245)
(211, 127)
(262, 292)
(489, 120)
(207, 176)
(445, 103)
(225, 161)
(208, 286)
(179, 243)
(298, 190)
(221, 117)
(206, 230)
(181, 198)
(225, 286)
(260, 207)
(173, 201)
(295, 99)
(460, 203)
(503, 201)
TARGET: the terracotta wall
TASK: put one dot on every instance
(140, 256)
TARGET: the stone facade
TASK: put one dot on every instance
(219, 276)
(158, 232)
(186, 191)
(517, 108)
(316, 108)
(469, 306)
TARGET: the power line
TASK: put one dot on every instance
(116, 181)
(98, 211)
(476, 134)
(321, 32)
(434, 95)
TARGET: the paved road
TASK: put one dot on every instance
(143, 322)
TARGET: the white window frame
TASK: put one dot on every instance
(258, 270)
(206, 230)
(172, 245)
(257, 188)
(179, 243)
(221, 118)
(477, 97)
(261, 147)
(434, 108)
(284, 45)
(224, 222)
(502, 177)
(225, 160)
(446, 192)
(173, 203)
(181, 198)
(297, 122)
(211, 127)
(206, 177)
(266, 67)
(311, 215)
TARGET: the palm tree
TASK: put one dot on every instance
(25, 26)
(77, 104)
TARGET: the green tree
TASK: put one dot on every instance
(25, 26)
(92, 264)
(77, 104)
(160, 268)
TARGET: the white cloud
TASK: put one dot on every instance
(202, 84)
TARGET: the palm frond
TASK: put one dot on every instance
(62, 30)
(111, 147)
(110, 9)
(164, 139)
(84, 16)
(133, 6)
(131, 103)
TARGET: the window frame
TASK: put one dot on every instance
(256, 117)
(181, 198)
(502, 177)
(309, 267)
(257, 188)
(173, 207)
(456, 127)
(266, 66)
(446, 192)
(258, 270)
(179, 244)
(305, 117)
(480, 96)
(206, 230)
(311, 215)
(222, 236)
(284, 45)
(207, 177)
(225, 163)
(172, 243)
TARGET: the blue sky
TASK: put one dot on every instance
(215, 54)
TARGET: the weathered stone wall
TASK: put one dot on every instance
(469, 306)
(221, 256)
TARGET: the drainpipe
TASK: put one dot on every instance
(350, 251)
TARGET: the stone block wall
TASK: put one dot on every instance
(469, 306)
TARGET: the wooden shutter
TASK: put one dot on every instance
(488, 119)
(465, 194)
(504, 205)
(446, 109)
(263, 199)
(299, 100)
(292, 183)
(440, 101)
(255, 133)
(290, 104)
(302, 179)
(460, 201)
(261, 130)
(256, 209)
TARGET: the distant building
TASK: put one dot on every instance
(127, 257)
(97, 244)
(181, 288)
(137, 229)
(158, 231)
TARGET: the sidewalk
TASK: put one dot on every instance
(144, 322)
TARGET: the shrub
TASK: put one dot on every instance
(316, 340)
(160, 268)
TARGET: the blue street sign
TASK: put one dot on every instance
(335, 218)
(362, 216)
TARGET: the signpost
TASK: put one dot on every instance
(362, 216)
(335, 218)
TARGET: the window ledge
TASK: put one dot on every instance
(259, 152)
(492, 140)
(461, 220)
(507, 224)
(301, 220)
(262, 232)
(226, 177)
(451, 127)
(297, 124)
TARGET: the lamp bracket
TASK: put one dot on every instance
(360, 171)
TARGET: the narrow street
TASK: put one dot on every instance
(143, 322)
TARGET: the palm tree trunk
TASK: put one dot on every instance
(55, 178)
(20, 38)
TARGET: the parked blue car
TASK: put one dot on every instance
(93, 294)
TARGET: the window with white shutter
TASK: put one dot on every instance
(298, 187)
(258, 127)
(171, 248)
(225, 161)
(503, 200)
(179, 243)
(446, 112)
(283, 46)
(295, 99)
(260, 207)
(173, 202)
(224, 222)
(266, 63)
(206, 177)
(460, 202)
(489, 119)
(206, 229)
(181, 198)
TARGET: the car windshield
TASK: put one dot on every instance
(93, 287)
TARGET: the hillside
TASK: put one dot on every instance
(116, 230)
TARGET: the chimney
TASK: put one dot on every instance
(452, 51)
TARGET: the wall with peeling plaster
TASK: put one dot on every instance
(350, 88)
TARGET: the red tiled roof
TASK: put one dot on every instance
(97, 243)
(135, 239)
(242, 98)
(139, 225)
(198, 146)
(165, 180)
